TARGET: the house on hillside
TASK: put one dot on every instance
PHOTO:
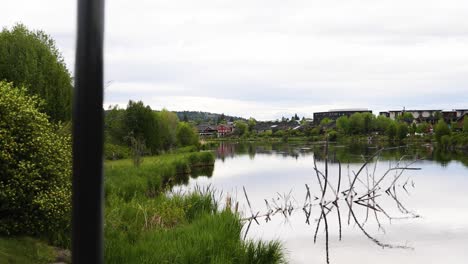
(207, 130)
(224, 130)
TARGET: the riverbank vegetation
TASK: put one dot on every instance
(145, 221)
(359, 127)
(186, 227)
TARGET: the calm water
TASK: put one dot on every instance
(439, 197)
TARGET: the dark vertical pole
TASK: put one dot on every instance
(87, 223)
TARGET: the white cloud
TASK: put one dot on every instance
(272, 58)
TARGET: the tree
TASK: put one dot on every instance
(381, 123)
(441, 130)
(368, 121)
(325, 121)
(296, 117)
(343, 125)
(406, 117)
(356, 123)
(186, 135)
(402, 130)
(31, 59)
(391, 131)
(141, 124)
(168, 122)
(241, 128)
(185, 117)
(114, 126)
(465, 124)
(35, 169)
(422, 128)
(251, 123)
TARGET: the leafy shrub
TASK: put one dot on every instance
(115, 152)
(206, 158)
(332, 136)
(35, 169)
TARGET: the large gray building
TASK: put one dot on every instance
(336, 113)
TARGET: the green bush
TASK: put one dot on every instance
(35, 169)
(332, 136)
(115, 152)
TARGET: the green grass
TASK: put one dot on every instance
(181, 229)
(155, 175)
(146, 224)
(25, 250)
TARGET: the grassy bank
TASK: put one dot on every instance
(24, 250)
(146, 224)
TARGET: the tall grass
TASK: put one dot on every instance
(181, 229)
(147, 224)
(24, 250)
(155, 175)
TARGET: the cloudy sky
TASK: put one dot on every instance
(269, 58)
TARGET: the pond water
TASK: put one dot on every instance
(437, 193)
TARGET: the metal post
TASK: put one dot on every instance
(87, 223)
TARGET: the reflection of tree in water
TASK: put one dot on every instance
(352, 153)
(202, 171)
(361, 191)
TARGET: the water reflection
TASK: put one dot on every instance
(271, 170)
(354, 153)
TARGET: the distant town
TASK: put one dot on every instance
(221, 125)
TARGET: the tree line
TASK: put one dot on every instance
(157, 131)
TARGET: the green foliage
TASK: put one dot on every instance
(31, 59)
(186, 135)
(188, 228)
(141, 124)
(406, 117)
(465, 124)
(391, 131)
(402, 130)
(422, 128)
(332, 136)
(325, 121)
(115, 152)
(368, 121)
(35, 170)
(441, 130)
(241, 128)
(381, 123)
(343, 125)
(445, 141)
(114, 125)
(168, 122)
(25, 251)
(356, 123)
(157, 130)
(251, 123)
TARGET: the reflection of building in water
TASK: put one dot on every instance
(225, 150)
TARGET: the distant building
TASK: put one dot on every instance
(224, 130)
(449, 116)
(461, 120)
(337, 113)
(207, 130)
(386, 114)
(430, 116)
(419, 116)
(461, 112)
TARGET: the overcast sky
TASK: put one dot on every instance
(272, 58)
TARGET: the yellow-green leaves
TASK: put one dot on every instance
(35, 168)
